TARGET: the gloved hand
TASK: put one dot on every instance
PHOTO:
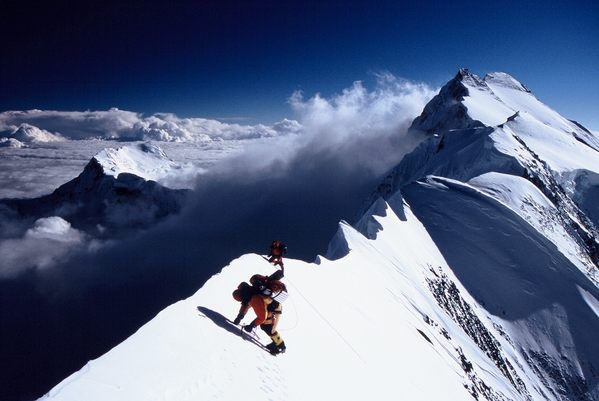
(238, 319)
(250, 327)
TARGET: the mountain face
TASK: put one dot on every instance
(556, 156)
(471, 275)
(116, 192)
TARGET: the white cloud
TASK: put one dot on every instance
(28, 133)
(46, 125)
(54, 228)
(11, 143)
(356, 111)
(312, 180)
(17, 136)
(362, 127)
(43, 245)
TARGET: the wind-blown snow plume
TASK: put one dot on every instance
(357, 128)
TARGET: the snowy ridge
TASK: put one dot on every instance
(468, 101)
(541, 167)
(382, 333)
(474, 266)
(390, 316)
(531, 141)
(520, 278)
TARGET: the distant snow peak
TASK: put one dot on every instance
(468, 101)
(145, 160)
(120, 190)
(27, 133)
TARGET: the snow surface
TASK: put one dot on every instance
(520, 277)
(521, 196)
(354, 329)
(562, 152)
(497, 125)
(366, 326)
(146, 160)
(484, 106)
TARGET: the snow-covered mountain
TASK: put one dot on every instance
(472, 274)
(117, 190)
(495, 125)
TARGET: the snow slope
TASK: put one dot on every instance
(387, 320)
(497, 125)
(469, 101)
(472, 274)
(145, 160)
(364, 326)
(520, 277)
(522, 197)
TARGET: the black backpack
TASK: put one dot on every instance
(244, 292)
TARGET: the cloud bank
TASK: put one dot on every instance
(292, 187)
(47, 125)
(43, 245)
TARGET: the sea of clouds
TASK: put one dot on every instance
(114, 124)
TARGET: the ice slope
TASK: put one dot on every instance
(365, 326)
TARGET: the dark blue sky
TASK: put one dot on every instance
(223, 59)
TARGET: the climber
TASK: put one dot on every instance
(264, 295)
(277, 250)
